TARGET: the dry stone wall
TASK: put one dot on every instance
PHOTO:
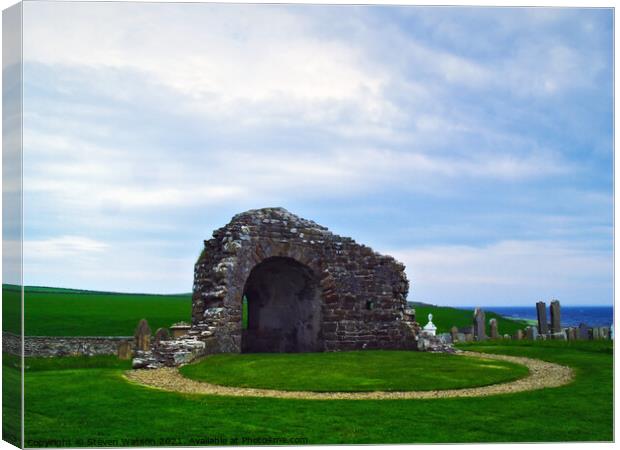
(47, 346)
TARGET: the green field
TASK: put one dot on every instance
(372, 370)
(445, 318)
(68, 402)
(67, 312)
(72, 312)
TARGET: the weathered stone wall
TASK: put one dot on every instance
(362, 294)
(47, 346)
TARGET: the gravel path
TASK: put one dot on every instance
(542, 375)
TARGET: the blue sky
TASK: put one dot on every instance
(473, 144)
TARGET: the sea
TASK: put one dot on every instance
(570, 316)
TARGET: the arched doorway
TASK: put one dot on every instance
(283, 308)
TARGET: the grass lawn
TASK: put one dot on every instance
(374, 370)
(72, 312)
(67, 401)
(11, 399)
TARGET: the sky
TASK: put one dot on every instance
(475, 145)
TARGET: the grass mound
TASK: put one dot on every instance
(361, 371)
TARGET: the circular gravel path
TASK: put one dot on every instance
(542, 375)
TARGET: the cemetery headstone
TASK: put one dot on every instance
(454, 332)
(479, 325)
(604, 332)
(162, 334)
(541, 312)
(124, 350)
(142, 336)
(556, 326)
(518, 335)
(584, 331)
(493, 327)
(430, 328)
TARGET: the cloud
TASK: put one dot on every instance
(162, 120)
(62, 247)
(86, 263)
(509, 272)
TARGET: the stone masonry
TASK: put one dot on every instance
(307, 289)
(48, 346)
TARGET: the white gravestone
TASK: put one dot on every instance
(430, 327)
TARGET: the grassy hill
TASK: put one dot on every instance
(72, 312)
(445, 318)
(68, 312)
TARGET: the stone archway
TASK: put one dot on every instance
(284, 308)
(353, 298)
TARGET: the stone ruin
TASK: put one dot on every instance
(306, 290)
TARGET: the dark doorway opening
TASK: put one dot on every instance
(283, 308)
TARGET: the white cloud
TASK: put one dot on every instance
(509, 272)
(237, 58)
(85, 263)
(145, 113)
(61, 247)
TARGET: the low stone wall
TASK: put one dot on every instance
(48, 346)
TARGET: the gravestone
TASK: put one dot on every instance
(430, 329)
(541, 312)
(596, 333)
(604, 332)
(493, 326)
(506, 336)
(531, 333)
(124, 350)
(584, 332)
(479, 325)
(469, 337)
(570, 334)
(143, 336)
(162, 334)
(454, 332)
(556, 326)
(518, 335)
